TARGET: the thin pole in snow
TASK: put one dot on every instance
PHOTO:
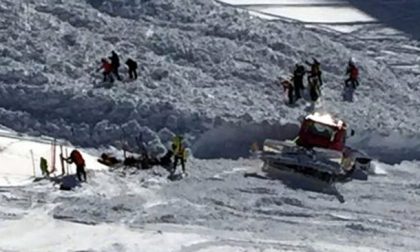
(33, 162)
(53, 153)
(67, 164)
(63, 169)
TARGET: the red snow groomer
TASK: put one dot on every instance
(319, 152)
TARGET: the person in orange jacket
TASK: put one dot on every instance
(77, 158)
(107, 68)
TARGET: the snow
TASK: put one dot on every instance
(314, 14)
(325, 118)
(279, 2)
(36, 229)
(214, 207)
(17, 166)
(207, 71)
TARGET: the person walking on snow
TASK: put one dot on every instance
(107, 70)
(298, 75)
(132, 69)
(314, 79)
(77, 158)
(289, 89)
(353, 73)
(115, 62)
(180, 153)
(315, 72)
(351, 83)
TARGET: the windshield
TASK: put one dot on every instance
(322, 130)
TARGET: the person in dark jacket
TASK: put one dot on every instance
(166, 160)
(132, 68)
(115, 62)
(77, 158)
(315, 72)
(298, 75)
(314, 79)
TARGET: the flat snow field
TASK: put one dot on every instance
(215, 208)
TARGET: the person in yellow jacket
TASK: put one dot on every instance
(180, 153)
(43, 164)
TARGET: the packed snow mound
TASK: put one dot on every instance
(202, 67)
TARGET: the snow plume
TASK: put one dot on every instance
(201, 66)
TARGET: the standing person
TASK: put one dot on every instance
(289, 88)
(314, 79)
(107, 70)
(43, 164)
(353, 73)
(315, 71)
(77, 158)
(352, 82)
(298, 75)
(132, 69)
(115, 62)
(180, 153)
(314, 91)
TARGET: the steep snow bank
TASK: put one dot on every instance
(202, 67)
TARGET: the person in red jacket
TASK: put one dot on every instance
(107, 70)
(353, 73)
(77, 158)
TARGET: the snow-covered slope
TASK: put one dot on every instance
(203, 66)
(206, 71)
